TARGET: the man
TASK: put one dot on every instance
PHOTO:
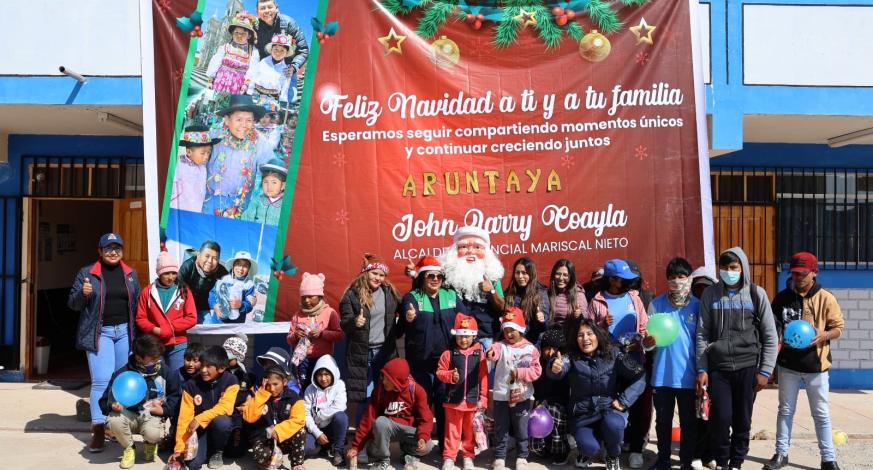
(235, 159)
(805, 299)
(736, 353)
(272, 23)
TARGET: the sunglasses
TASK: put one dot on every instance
(434, 276)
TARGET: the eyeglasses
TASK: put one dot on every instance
(110, 251)
(434, 277)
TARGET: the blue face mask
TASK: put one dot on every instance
(730, 277)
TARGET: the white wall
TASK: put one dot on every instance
(854, 350)
(92, 37)
(703, 15)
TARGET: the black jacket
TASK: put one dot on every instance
(283, 24)
(162, 384)
(200, 286)
(91, 308)
(358, 341)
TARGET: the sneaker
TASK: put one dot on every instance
(499, 464)
(468, 464)
(697, 464)
(381, 465)
(216, 461)
(448, 464)
(128, 457)
(582, 461)
(635, 460)
(336, 457)
(830, 465)
(98, 438)
(148, 454)
(411, 462)
(711, 465)
(612, 463)
(776, 462)
(520, 464)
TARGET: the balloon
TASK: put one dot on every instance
(676, 434)
(664, 328)
(798, 334)
(540, 423)
(129, 388)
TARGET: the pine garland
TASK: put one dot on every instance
(575, 31)
(550, 33)
(605, 18)
(506, 31)
(433, 18)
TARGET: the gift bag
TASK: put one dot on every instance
(191, 447)
(479, 432)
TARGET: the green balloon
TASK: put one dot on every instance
(664, 328)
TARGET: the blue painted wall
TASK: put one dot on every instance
(65, 90)
(797, 156)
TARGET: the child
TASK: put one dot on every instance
(267, 208)
(166, 310)
(278, 417)
(517, 366)
(279, 357)
(233, 296)
(271, 76)
(189, 180)
(397, 410)
(316, 323)
(229, 65)
(189, 369)
(146, 417)
(235, 347)
(552, 394)
(207, 403)
(326, 420)
(465, 369)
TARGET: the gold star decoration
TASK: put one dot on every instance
(392, 42)
(643, 32)
(526, 18)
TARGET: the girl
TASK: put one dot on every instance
(233, 296)
(166, 310)
(229, 65)
(597, 374)
(463, 367)
(552, 394)
(566, 298)
(526, 292)
(317, 322)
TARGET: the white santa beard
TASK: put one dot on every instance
(465, 277)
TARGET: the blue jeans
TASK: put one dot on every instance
(609, 429)
(335, 431)
(817, 386)
(373, 371)
(515, 417)
(174, 357)
(112, 351)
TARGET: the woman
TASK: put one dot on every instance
(200, 274)
(106, 294)
(367, 316)
(566, 298)
(604, 383)
(526, 292)
(427, 317)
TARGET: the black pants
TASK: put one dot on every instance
(732, 394)
(665, 398)
(639, 421)
(702, 444)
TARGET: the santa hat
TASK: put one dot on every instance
(312, 284)
(426, 263)
(372, 262)
(465, 326)
(472, 231)
(513, 318)
(167, 263)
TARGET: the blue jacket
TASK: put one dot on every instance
(91, 308)
(430, 333)
(596, 381)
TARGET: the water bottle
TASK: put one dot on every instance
(258, 315)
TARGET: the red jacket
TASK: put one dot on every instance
(174, 323)
(407, 405)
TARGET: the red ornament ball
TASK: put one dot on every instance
(477, 24)
(561, 20)
(570, 14)
(557, 11)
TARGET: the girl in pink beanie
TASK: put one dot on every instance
(315, 328)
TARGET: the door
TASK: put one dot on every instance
(129, 221)
(752, 227)
(28, 291)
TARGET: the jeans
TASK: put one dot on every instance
(515, 417)
(211, 440)
(174, 356)
(436, 396)
(609, 429)
(373, 371)
(665, 398)
(817, 386)
(112, 351)
(732, 394)
(335, 431)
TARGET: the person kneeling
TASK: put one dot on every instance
(278, 416)
(326, 419)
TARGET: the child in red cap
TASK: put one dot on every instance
(463, 367)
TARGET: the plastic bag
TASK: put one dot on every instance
(479, 432)
(300, 351)
(191, 447)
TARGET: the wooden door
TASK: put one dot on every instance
(129, 221)
(753, 228)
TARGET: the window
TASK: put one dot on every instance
(117, 177)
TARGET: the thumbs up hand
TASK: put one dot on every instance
(609, 319)
(541, 317)
(456, 376)
(486, 286)
(490, 355)
(87, 289)
(360, 320)
(410, 313)
(558, 364)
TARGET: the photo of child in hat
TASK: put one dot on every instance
(229, 65)
(267, 207)
(234, 294)
(268, 77)
(189, 180)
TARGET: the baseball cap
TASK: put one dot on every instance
(618, 268)
(803, 262)
(109, 239)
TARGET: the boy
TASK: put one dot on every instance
(267, 207)
(673, 367)
(277, 416)
(189, 180)
(736, 353)
(146, 417)
(236, 348)
(207, 403)
(397, 410)
(326, 419)
(189, 369)
(517, 366)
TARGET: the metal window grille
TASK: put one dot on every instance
(83, 177)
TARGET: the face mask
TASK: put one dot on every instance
(730, 277)
(151, 369)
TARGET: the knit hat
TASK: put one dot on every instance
(465, 326)
(472, 231)
(553, 338)
(236, 347)
(312, 284)
(167, 263)
(372, 262)
(513, 318)
(425, 264)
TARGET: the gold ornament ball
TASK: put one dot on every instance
(444, 52)
(594, 47)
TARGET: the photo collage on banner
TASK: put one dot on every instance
(236, 129)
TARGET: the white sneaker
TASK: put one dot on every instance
(711, 465)
(468, 464)
(635, 460)
(448, 464)
(697, 464)
(582, 462)
(499, 464)
(520, 464)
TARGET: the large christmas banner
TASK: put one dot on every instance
(566, 129)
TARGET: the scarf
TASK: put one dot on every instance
(679, 291)
(314, 310)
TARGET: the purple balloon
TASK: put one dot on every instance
(540, 423)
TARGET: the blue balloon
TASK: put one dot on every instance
(129, 388)
(798, 334)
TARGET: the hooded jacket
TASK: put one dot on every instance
(820, 308)
(159, 385)
(732, 332)
(91, 308)
(174, 322)
(407, 405)
(322, 403)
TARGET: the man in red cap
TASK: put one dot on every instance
(805, 299)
